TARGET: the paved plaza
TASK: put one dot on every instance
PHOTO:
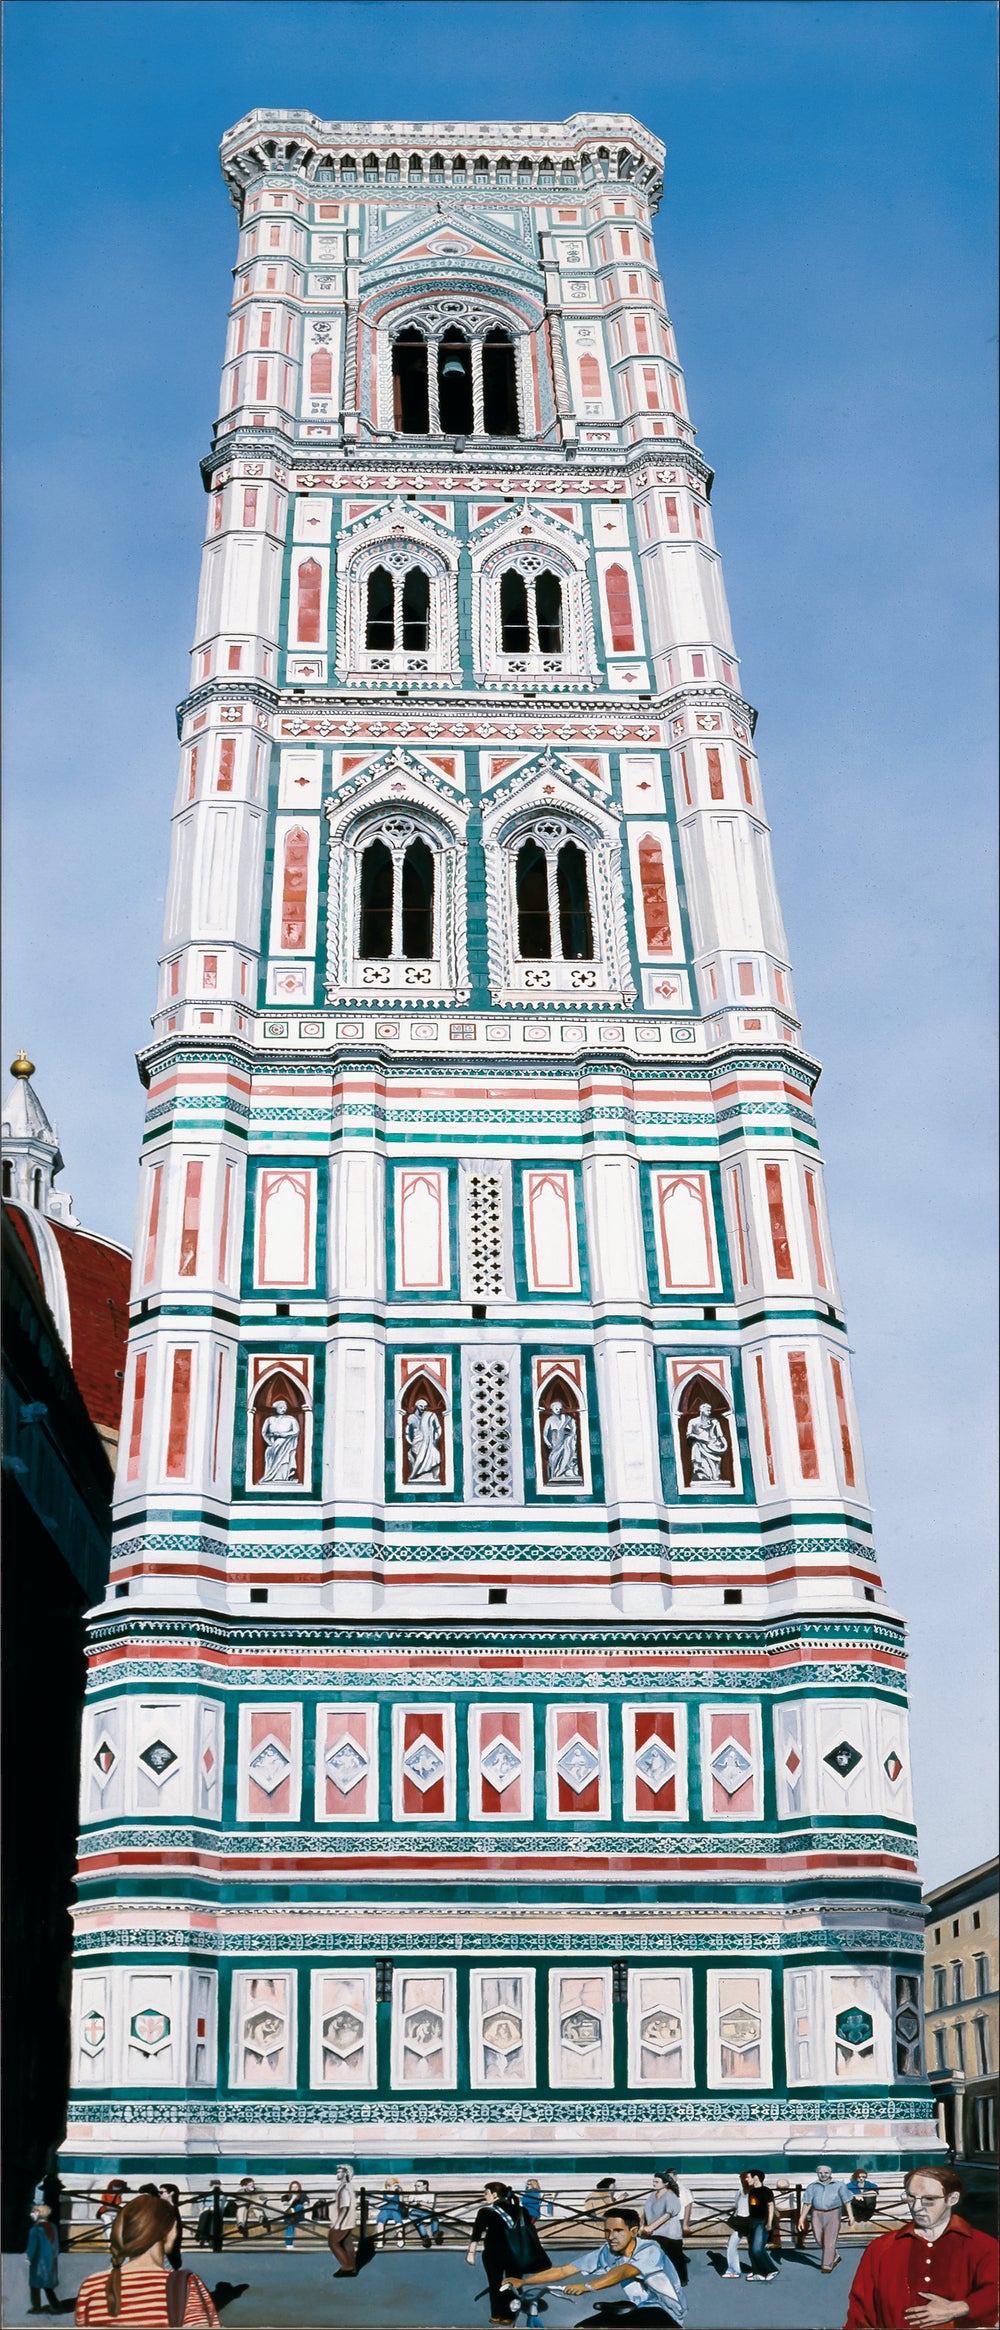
(441, 2292)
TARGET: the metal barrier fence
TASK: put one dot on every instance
(384, 2217)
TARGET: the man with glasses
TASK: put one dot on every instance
(935, 2270)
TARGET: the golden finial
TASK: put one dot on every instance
(22, 1066)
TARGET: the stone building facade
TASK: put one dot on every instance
(496, 1749)
(962, 2005)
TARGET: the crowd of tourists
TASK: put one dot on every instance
(931, 2270)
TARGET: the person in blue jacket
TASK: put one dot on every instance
(43, 2260)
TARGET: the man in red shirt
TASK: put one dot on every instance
(935, 2270)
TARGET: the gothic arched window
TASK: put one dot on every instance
(531, 614)
(515, 638)
(375, 937)
(410, 400)
(552, 894)
(454, 374)
(397, 609)
(575, 932)
(380, 618)
(500, 414)
(321, 373)
(396, 917)
(620, 611)
(416, 603)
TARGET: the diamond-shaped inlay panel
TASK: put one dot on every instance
(346, 1763)
(655, 1765)
(159, 1759)
(793, 1764)
(578, 1764)
(423, 1763)
(269, 1765)
(731, 1766)
(500, 1763)
(892, 1766)
(105, 1759)
(844, 1758)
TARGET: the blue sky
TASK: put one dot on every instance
(826, 242)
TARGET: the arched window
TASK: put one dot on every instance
(380, 624)
(454, 372)
(437, 169)
(371, 166)
(418, 901)
(36, 1189)
(376, 901)
(397, 896)
(620, 611)
(416, 598)
(416, 167)
(392, 166)
(568, 171)
(534, 929)
(531, 614)
(8, 1178)
(397, 609)
(514, 635)
(524, 170)
(548, 613)
(481, 166)
(504, 170)
(459, 167)
(546, 171)
(309, 591)
(575, 933)
(552, 897)
(321, 373)
(500, 414)
(348, 168)
(410, 403)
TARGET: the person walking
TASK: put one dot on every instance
(294, 2209)
(666, 2214)
(824, 2202)
(863, 2196)
(140, 2288)
(340, 2238)
(760, 2210)
(511, 2249)
(936, 2270)
(739, 2230)
(43, 2260)
(646, 2286)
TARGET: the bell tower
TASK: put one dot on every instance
(496, 1745)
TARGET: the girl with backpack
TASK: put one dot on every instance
(141, 2288)
(511, 2248)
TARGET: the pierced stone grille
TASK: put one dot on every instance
(484, 1199)
(492, 1464)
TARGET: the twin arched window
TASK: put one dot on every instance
(552, 891)
(531, 614)
(454, 386)
(397, 610)
(397, 896)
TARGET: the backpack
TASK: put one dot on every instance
(178, 2285)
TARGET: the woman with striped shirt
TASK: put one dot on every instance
(141, 2289)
